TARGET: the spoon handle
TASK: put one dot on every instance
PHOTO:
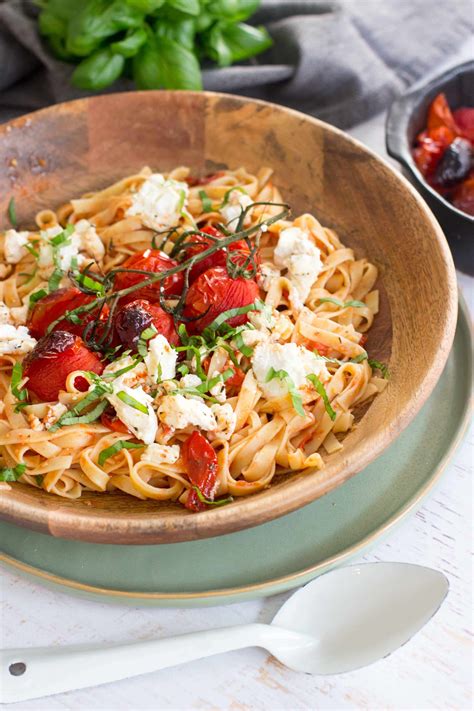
(41, 671)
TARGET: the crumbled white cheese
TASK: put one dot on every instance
(5, 316)
(296, 361)
(65, 252)
(297, 253)
(14, 246)
(15, 339)
(159, 201)
(19, 314)
(143, 425)
(190, 381)
(267, 274)
(180, 412)
(90, 241)
(161, 454)
(161, 359)
(135, 376)
(262, 319)
(231, 211)
(226, 420)
(53, 414)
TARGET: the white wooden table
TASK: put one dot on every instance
(433, 671)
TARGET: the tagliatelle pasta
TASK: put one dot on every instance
(179, 339)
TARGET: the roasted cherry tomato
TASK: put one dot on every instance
(139, 315)
(59, 303)
(236, 380)
(464, 118)
(463, 197)
(110, 420)
(213, 292)
(455, 163)
(322, 348)
(430, 148)
(217, 259)
(52, 359)
(154, 261)
(200, 461)
(439, 114)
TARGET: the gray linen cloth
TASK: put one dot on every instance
(340, 60)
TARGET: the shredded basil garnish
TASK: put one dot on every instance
(209, 502)
(321, 390)
(296, 398)
(231, 313)
(12, 473)
(132, 402)
(37, 296)
(12, 213)
(115, 448)
(145, 336)
(355, 304)
(377, 365)
(16, 378)
(206, 201)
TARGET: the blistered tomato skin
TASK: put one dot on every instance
(215, 291)
(153, 261)
(137, 316)
(55, 305)
(455, 164)
(200, 460)
(239, 251)
(53, 358)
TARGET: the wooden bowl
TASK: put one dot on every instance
(65, 150)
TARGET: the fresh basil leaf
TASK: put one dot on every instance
(16, 378)
(99, 70)
(239, 342)
(321, 390)
(115, 449)
(163, 64)
(69, 419)
(130, 44)
(132, 402)
(216, 47)
(146, 6)
(358, 359)
(12, 473)
(232, 10)
(213, 502)
(55, 280)
(183, 31)
(58, 47)
(244, 41)
(95, 20)
(12, 213)
(51, 24)
(206, 201)
(190, 7)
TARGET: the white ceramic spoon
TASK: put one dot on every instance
(341, 621)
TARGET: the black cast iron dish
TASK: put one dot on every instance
(406, 118)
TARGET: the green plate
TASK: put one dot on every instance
(281, 554)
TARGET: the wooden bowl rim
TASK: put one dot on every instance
(139, 529)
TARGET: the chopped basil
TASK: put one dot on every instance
(209, 502)
(239, 342)
(321, 390)
(37, 296)
(145, 336)
(132, 402)
(12, 473)
(206, 201)
(55, 279)
(16, 378)
(358, 359)
(296, 398)
(87, 283)
(39, 479)
(115, 448)
(183, 369)
(12, 213)
(347, 304)
(377, 365)
(231, 313)
(73, 417)
(32, 250)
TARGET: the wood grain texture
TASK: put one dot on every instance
(65, 150)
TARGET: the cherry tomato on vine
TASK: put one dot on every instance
(57, 304)
(153, 261)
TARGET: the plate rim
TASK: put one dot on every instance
(281, 582)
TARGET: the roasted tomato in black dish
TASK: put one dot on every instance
(57, 304)
(213, 292)
(153, 261)
(136, 316)
(444, 153)
(52, 359)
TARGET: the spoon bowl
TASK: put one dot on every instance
(358, 614)
(344, 620)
